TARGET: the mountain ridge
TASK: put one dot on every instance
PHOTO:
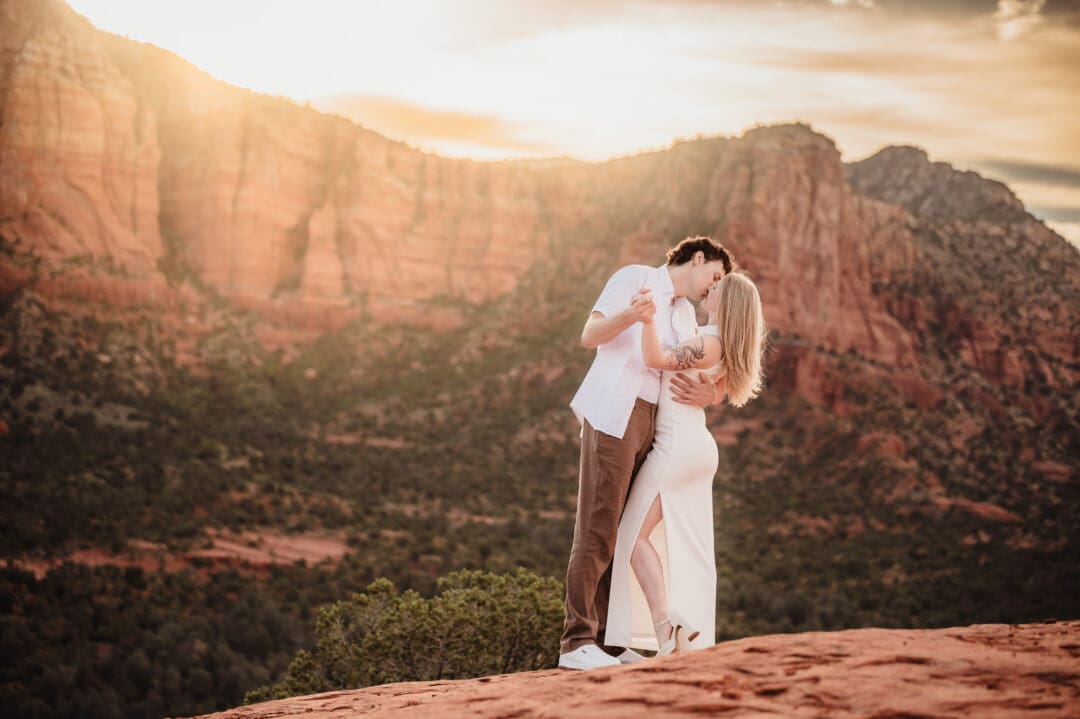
(346, 200)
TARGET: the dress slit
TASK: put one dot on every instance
(643, 635)
(679, 470)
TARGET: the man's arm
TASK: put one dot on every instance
(601, 330)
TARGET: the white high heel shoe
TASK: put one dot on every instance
(677, 624)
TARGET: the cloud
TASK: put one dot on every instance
(921, 8)
(882, 63)
(1033, 172)
(940, 8)
(1065, 215)
(469, 24)
(428, 127)
(1062, 11)
(1069, 230)
(1016, 17)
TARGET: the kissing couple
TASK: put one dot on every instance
(642, 570)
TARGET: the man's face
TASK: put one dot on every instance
(705, 276)
(711, 303)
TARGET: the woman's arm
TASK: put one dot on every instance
(694, 353)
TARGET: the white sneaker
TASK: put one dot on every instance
(630, 657)
(587, 656)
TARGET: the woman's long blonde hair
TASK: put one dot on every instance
(741, 323)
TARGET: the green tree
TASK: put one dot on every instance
(478, 623)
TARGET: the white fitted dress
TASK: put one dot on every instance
(680, 469)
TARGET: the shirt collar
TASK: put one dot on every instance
(666, 287)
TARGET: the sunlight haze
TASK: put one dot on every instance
(982, 85)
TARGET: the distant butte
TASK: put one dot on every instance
(985, 671)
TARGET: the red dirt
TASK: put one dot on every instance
(247, 550)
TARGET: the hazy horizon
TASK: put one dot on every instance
(983, 85)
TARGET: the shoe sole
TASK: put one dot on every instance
(585, 667)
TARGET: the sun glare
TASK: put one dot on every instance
(481, 79)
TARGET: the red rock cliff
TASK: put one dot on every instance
(79, 153)
(125, 153)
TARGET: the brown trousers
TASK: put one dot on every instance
(608, 465)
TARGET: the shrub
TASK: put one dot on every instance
(478, 623)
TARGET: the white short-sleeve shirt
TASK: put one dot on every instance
(618, 375)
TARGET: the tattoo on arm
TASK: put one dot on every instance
(685, 355)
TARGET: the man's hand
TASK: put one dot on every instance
(642, 308)
(600, 329)
(697, 393)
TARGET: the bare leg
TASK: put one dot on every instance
(645, 561)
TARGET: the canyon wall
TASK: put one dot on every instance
(79, 152)
(128, 157)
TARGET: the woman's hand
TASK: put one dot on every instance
(600, 330)
(642, 308)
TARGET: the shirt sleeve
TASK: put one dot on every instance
(622, 286)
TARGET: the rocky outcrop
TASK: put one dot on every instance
(277, 206)
(817, 249)
(270, 202)
(987, 670)
(150, 170)
(78, 150)
(991, 283)
(248, 553)
(906, 177)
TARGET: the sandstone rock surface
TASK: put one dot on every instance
(985, 671)
(79, 149)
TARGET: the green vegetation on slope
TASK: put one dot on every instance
(450, 450)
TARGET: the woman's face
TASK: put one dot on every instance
(712, 298)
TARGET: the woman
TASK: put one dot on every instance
(663, 583)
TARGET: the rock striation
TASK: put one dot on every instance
(985, 671)
(133, 173)
(126, 154)
(79, 154)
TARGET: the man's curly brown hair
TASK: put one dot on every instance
(681, 253)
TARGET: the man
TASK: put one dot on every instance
(616, 404)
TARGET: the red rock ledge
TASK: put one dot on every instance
(985, 670)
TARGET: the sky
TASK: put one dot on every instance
(987, 85)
